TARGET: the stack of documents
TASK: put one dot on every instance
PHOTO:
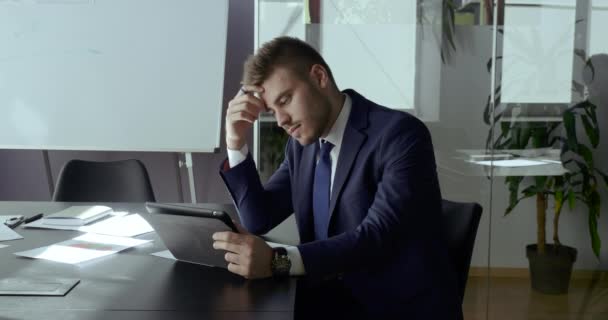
(7, 233)
(86, 247)
(119, 225)
(103, 238)
(77, 215)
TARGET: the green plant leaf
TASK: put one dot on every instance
(552, 181)
(595, 200)
(504, 133)
(596, 243)
(505, 128)
(530, 191)
(581, 165)
(510, 207)
(571, 199)
(593, 132)
(585, 183)
(540, 183)
(553, 141)
(515, 134)
(489, 63)
(524, 138)
(579, 105)
(589, 64)
(487, 112)
(559, 201)
(586, 153)
(557, 183)
(513, 184)
(538, 137)
(594, 212)
(585, 174)
(604, 176)
(570, 124)
(590, 111)
(503, 145)
(553, 126)
(576, 183)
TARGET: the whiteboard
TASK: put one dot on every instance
(123, 75)
(371, 47)
(538, 51)
(382, 68)
(599, 22)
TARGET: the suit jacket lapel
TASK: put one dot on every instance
(352, 140)
(307, 173)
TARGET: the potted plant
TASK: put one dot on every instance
(551, 264)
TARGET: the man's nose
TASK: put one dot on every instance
(282, 118)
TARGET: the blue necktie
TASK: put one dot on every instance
(320, 195)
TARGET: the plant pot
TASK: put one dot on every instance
(550, 272)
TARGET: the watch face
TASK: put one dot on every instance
(281, 265)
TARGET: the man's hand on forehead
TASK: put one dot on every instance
(255, 91)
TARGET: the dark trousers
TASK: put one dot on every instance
(326, 300)
(332, 300)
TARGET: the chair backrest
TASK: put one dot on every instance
(461, 221)
(114, 181)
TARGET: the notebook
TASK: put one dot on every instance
(77, 215)
(36, 287)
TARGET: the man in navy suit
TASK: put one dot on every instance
(362, 182)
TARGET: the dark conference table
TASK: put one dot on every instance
(132, 284)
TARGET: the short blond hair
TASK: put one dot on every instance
(287, 52)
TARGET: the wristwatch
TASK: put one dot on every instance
(280, 264)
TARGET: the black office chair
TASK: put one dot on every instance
(461, 221)
(114, 181)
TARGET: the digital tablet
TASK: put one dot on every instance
(189, 211)
(187, 231)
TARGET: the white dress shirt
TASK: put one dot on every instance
(335, 135)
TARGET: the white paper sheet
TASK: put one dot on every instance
(86, 247)
(511, 163)
(119, 225)
(164, 254)
(40, 225)
(129, 226)
(7, 233)
(3, 246)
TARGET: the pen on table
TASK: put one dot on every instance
(33, 218)
(14, 222)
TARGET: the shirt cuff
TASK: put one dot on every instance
(297, 266)
(235, 157)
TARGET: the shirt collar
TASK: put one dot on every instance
(336, 132)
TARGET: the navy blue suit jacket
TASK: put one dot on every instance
(385, 238)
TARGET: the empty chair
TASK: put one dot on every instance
(461, 221)
(113, 181)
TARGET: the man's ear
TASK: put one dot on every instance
(319, 75)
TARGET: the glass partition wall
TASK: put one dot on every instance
(512, 94)
(550, 161)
